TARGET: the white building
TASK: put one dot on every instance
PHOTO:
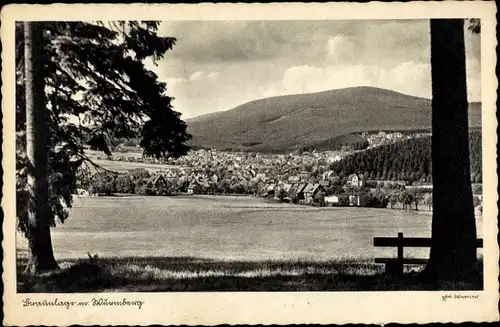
(332, 199)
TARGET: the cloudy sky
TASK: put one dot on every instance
(217, 65)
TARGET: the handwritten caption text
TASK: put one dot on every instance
(460, 297)
(94, 302)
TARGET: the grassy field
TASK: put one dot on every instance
(229, 228)
(124, 166)
(225, 241)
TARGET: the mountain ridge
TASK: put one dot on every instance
(291, 121)
(298, 94)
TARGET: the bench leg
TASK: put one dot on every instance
(394, 269)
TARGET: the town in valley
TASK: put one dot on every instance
(301, 177)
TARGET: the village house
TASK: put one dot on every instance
(205, 186)
(300, 192)
(158, 182)
(362, 200)
(359, 200)
(311, 191)
(258, 185)
(171, 174)
(325, 184)
(261, 176)
(281, 190)
(335, 158)
(262, 190)
(270, 190)
(401, 185)
(327, 175)
(292, 192)
(332, 200)
(287, 187)
(319, 194)
(356, 181)
(194, 187)
(303, 175)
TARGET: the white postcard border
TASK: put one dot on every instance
(259, 307)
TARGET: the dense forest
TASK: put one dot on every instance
(408, 160)
(346, 142)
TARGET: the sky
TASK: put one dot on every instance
(218, 65)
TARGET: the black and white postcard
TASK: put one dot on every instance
(249, 163)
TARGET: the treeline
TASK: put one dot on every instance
(111, 183)
(408, 160)
(141, 182)
(136, 182)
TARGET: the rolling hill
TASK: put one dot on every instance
(293, 121)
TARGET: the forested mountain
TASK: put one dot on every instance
(408, 160)
(323, 120)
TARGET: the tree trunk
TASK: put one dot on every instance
(453, 252)
(38, 234)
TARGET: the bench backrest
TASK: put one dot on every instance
(401, 241)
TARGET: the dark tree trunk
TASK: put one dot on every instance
(38, 234)
(453, 251)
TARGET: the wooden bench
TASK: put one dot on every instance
(394, 266)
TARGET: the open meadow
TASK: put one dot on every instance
(222, 243)
(229, 228)
(124, 166)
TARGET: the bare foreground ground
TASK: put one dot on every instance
(204, 243)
